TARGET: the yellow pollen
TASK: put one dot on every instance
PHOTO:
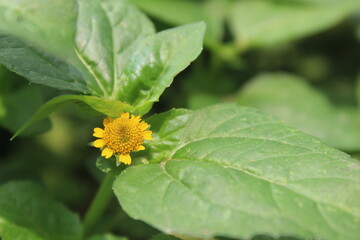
(123, 135)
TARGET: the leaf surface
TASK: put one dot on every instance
(105, 29)
(154, 62)
(46, 24)
(130, 63)
(167, 131)
(246, 173)
(111, 51)
(23, 215)
(41, 68)
(283, 95)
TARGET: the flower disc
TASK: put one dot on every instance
(122, 136)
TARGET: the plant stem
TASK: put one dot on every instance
(98, 204)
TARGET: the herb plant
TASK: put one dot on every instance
(221, 169)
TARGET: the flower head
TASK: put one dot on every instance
(121, 136)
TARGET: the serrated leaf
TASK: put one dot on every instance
(246, 173)
(291, 99)
(261, 23)
(23, 215)
(105, 29)
(107, 107)
(116, 54)
(153, 63)
(118, 46)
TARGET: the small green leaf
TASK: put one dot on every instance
(107, 236)
(246, 173)
(105, 29)
(261, 23)
(26, 212)
(283, 95)
(109, 166)
(167, 130)
(154, 62)
(131, 63)
(107, 107)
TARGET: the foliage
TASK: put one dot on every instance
(249, 152)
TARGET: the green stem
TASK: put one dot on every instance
(99, 203)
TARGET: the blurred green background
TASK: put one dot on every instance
(298, 60)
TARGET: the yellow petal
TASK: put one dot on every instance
(107, 121)
(143, 126)
(148, 135)
(136, 118)
(98, 132)
(99, 143)
(139, 148)
(107, 153)
(125, 115)
(126, 159)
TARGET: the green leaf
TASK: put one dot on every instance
(109, 166)
(178, 12)
(167, 130)
(26, 212)
(283, 95)
(41, 68)
(246, 173)
(116, 53)
(107, 236)
(18, 106)
(261, 23)
(105, 30)
(155, 61)
(131, 63)
(107, 107)
(47, 24)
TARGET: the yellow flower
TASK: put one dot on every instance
(121, 136)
